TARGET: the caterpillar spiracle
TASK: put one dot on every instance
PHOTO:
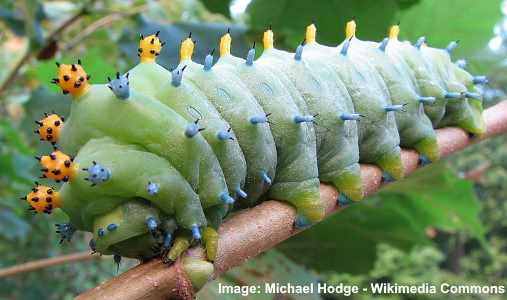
(154, 160)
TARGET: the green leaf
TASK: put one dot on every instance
(218, 6)
(398, 215)
(271, 267)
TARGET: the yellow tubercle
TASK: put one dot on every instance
(394, 31)
(43, 199)
(350, 29)
(72, 78)
(225, 44)
(58, 166)
(267, 39)
(149, 48)
(186, 49)
(311, 33)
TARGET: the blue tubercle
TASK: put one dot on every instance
(395, 107)
(66, 231)
(225, 198)
(167, 240)
(112, 227)
(299, 52)
(196, 233)
(192, 129)
(177, 76)
(343, 200)
(241, 193)
(97, 174)
(452, 45)
(301, 222)
(383, 44)
(386, 177)
(120, 86)
(480, 80)
(225, 135)
(462, 63)
(304, 119)
(152, 224)
(265, 177)
(423, 160)
(250, 56)
(259, 119)
(453, 95)
(350, 116)
(345, 47)
(208, 61)
(473, 95)
(101, 232)
(153, 188)
(420, 41)
(426, 100)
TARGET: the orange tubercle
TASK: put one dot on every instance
(49, 128)
(58, 166)
(72, 79)
(43, 199)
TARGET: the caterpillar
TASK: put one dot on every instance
(153, 161)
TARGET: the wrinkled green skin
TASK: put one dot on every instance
(236, 105)
(464, 113)
(378, 135)
(423, 76)
(415, 128)
(323, 95)
(296, 180)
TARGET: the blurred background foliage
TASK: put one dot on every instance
(445, 223)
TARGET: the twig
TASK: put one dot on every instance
(46, 263)
(253, 231)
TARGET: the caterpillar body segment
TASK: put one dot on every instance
(296, 178)
(188, 101)
(323, 95)
(246, 117)
(148, 123)
(378, 135)
(422, 74)
(459, 111)
(415, 128)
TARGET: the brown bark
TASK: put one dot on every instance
(260, 228)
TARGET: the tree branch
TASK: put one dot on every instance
(46, 263)
(260, 228)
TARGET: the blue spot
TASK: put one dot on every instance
(345, 48)
(98, 174)
(66, 231)
(208, 62)
(383, 44)
(299, 52)
(224, 135)
(120, 86)
(386, 177)
(420, 41)
(101, 232)
(302, 119)
(196, 233)
(453, 95)
(265, 177)
(350, 116)
(112, 227)
(258, 119)
(191, 130)
(480, 80)
(426, 100)
(241, 193)
(153, 188)
(250, 57)
(167, 240)
(473, 95)
(424, 160)
(394, 107)
(177, 76)
(452, 45)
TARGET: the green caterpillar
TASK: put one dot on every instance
(156, 159)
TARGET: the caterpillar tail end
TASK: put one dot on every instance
(428, 147)
(391, 163)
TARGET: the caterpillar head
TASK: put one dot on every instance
(49, 128)
(72, 79)
(225, 44)
(58, 166)
(149, 47)
(43, 199)
(187, 48)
